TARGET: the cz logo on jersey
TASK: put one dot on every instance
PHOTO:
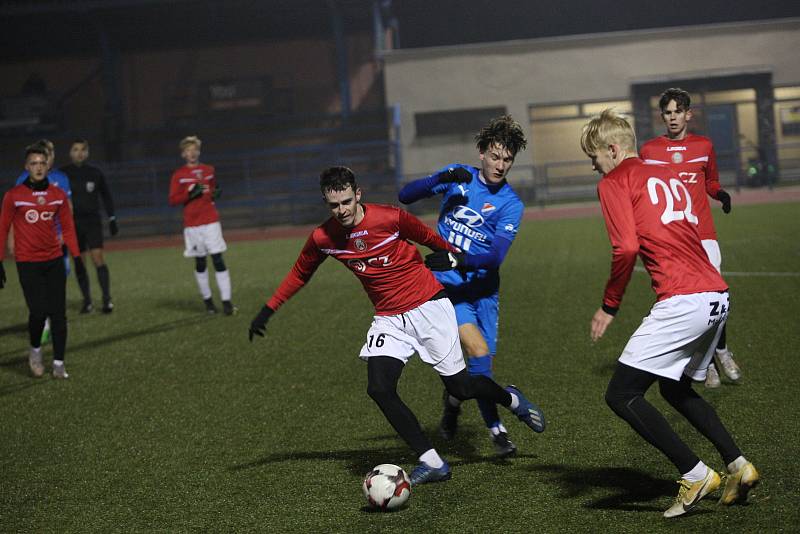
(361, 266)
(33, 216)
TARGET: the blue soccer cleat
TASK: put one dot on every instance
(527, 412)
(423, 473)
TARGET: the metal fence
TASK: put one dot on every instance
(280, 186)
(270, 187)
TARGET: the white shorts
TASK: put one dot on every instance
(679, 336)
(429, 330)
(712, 251)
(203, 240)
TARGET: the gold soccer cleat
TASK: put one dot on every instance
(690, 493)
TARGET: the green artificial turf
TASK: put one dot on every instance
(172, 421)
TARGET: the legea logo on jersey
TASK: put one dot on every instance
(468, 216)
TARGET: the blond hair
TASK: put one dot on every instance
(607, 129)
(190, 140)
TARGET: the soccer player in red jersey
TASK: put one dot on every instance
(412, 311)
(194, 187)
(32, 209)
(693, 159)
(649, 213)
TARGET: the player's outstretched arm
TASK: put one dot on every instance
(259, 324)
(415, 230)
(426, 187)
(301, 272)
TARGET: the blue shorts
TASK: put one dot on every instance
(483, 312)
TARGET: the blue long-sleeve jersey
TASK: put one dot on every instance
(480, 219)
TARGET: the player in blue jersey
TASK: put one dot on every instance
(480, 215)
(59, 179)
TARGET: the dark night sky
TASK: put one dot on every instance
(450, 22)
(53, 28)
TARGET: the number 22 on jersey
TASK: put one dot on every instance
(673, 192)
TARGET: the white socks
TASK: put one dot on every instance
(697, 473)
(432, 458)
(737, 464)
(203, 285)
(495, 430)
(224, 284)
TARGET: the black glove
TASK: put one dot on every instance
(725, 198)
(217, 193)
(458, 175)
(195, 191)
(442, 260)
(2, 275)
(112, 225)
(259, 324)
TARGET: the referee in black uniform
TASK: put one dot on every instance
(88, 184)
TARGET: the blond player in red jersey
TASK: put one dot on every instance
(194, 187)
(693, 159)
(32, 209)
(412, 311)
(648, 212)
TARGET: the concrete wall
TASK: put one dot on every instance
(579, 68)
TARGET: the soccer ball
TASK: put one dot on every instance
(386, 487)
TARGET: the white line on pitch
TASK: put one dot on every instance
(768, 274)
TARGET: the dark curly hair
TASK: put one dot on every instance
(504, 131)
(337, 179)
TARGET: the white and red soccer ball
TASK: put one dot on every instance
(386, 487)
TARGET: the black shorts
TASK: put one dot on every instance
(90, 232)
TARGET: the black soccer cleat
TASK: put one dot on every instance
(228, 308)
(503, 446)
(87, 308)
(210, 308)
(449, 423)
(108, 306)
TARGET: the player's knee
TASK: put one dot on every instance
(381, 393)
(675, 392)
(617, 399)
(58, 323)
(80, 267)
(200, 264)
(459, 385)
(219, 263)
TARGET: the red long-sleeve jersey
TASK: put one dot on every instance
(378, 252)
(201, 210)
(33, 215)
(694, 161)
(648, 212)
